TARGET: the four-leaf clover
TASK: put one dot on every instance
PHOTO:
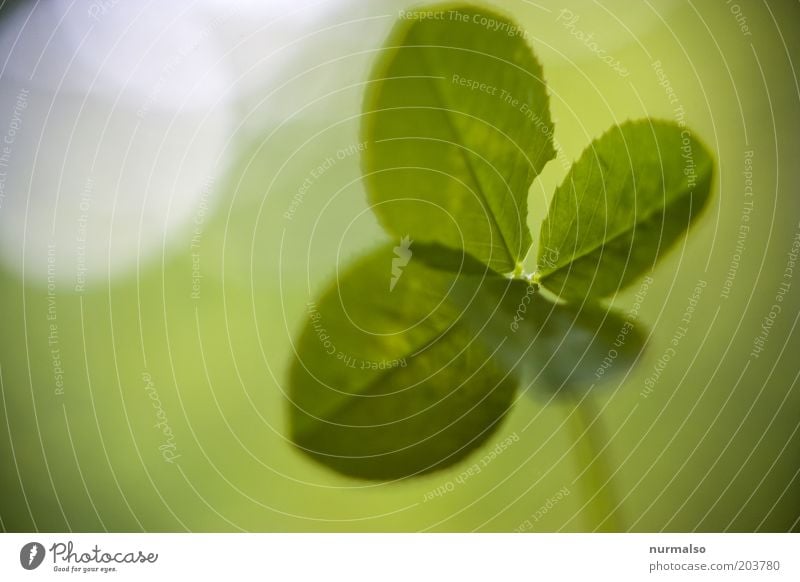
(395, 378)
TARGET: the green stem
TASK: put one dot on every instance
(594, 468)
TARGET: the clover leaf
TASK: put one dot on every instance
(410, 360)
(624, 203)
(389, 384)
(457, 126)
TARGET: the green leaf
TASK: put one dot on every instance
(624, 203)
(578, 347)
(388, 384)
(457, 125)
(554, 347)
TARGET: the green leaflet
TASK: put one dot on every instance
(457, 125)
(551, 347)
(577, 347)
(624, 203)
(389, 384)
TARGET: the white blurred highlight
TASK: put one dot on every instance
(128, 112)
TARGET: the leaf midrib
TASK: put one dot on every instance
(445, 107)
(640, 218)
(342, 404)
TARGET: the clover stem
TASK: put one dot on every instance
(595, 473)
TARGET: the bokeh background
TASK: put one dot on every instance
(151, 155)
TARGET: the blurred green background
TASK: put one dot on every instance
(713, 447)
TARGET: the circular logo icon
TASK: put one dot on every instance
(31, 555)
